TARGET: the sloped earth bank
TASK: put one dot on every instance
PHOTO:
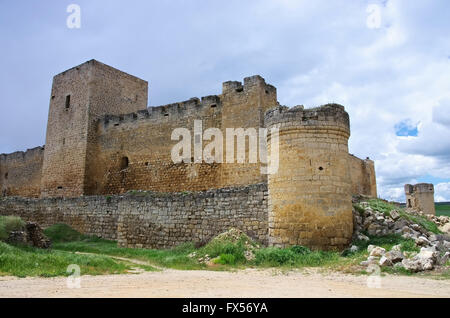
(244, 283)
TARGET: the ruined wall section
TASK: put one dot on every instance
(134, 150)
(244, 106)
(152, 220)
(310, 194)
(20, 173)
(421, 197)
(362, 173)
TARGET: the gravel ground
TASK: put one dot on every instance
(242, 283)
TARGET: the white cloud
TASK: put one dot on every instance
(442, 192)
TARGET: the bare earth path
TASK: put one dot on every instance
(243, 283)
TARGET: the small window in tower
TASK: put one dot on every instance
(6, 175)
(67, 101)
(240, 89)
(124, 163)
(60, 188)
(213, 106)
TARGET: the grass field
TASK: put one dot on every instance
(442, 209)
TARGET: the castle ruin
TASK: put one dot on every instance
(420, 197)
(103, 141)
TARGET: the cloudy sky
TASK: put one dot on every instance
(387, 62)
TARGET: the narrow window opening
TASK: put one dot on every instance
(240, 89)
(6, 175)
(60, 188)
(124, 163)
(166, 115)
(213, 106)
(146, 164)
(320, 168)
(67, 101)
(267, 92)
(409, 203)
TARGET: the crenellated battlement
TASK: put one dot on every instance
(327, 116)
(22, 155)
(173, 111)
(250, 83)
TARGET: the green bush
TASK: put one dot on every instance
(63, 233)
(226, 259)
(301, 250)
(214, 249)
(9, 224)
(275, 256)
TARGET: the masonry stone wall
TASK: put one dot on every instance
(362, 174)
(150, 219)
(421, 196)
(20, 173)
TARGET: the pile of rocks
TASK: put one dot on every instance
(32, 235)
(434, 248)
(232, 236)
(426, 259)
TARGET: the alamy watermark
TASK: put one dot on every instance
(74, 279)
(235, 146)
(74, 19)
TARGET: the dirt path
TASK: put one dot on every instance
(244, 283)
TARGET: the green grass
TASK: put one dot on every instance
(227, 254)
(176, 258)
(442, 209)
(8, 224)
(29, 261)
(63, 233)
(386, 208)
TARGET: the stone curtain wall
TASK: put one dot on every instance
(362, 174)
(153, 220)
(20, 173)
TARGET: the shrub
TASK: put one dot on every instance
(9, 224)
(63, 233)
(224, 259)
(301, 250)
(275, 256)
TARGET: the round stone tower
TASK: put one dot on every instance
(310, 193)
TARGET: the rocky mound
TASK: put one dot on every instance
(410, 224)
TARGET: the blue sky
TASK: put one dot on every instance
(393, 78)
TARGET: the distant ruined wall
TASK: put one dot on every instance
(362, 173)
(20, 173)
(153, 220)
(421, 197)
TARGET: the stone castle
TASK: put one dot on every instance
(103, 141)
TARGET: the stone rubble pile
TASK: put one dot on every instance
(32, 235)
(434, 248)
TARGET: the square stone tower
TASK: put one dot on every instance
(79, 97)
(421, 197)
